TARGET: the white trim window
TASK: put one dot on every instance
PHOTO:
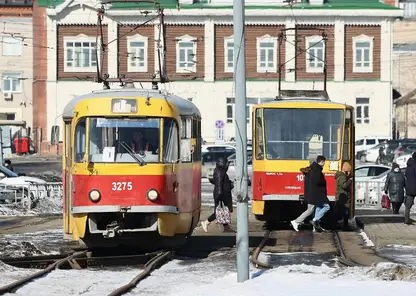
(12, 82)
(266, 54)
(186, 54)
(362, 54)
(11, 46)
(79, 54)
(362, 110)
(251, 102)
(137, 47)
(315, 54)
(229, 54)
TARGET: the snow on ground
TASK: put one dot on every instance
(401, 254)
(31, 244)
(44, 206)
(367, 241)
(217, 276)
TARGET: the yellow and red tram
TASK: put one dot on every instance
(289, 133)
(131, 168)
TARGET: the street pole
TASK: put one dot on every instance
(241, 141)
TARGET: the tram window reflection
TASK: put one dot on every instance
(301, 133)
(115, 140)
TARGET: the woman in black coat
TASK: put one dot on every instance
(222, 192)
(394, 187)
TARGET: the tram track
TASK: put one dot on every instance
(85, 259)
(300, 242)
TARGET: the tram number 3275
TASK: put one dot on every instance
(121, 186)
(300, 177)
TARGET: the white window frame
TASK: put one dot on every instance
(80, 38)
(362, 69)
(11, 76)
(363, 106)
(130, 49)
(13, 43)
(309, 40)
(187, 69)
(228, 69)
(267, 39)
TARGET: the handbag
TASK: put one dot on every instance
(385, 202)
(222, 214)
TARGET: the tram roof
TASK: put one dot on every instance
(303, 102)
(184, 106)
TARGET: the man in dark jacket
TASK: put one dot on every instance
(222, 192)
(342, 195)
(306, 194)
(318, 192)
(410, 187)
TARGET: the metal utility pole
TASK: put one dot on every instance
(241, 141)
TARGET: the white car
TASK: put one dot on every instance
(402, 160)
(366, 172)
(371, 155)
(20, 187)
(219, 147)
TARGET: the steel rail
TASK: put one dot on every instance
(256, 252)
(151, 265)
(343, 258)
(12, 287)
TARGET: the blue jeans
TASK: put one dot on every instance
(320, 211)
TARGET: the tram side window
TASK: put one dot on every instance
(196, 134)
(259, 135)
(170, 140)
(186, 141)
(79, 141)
(347, 131)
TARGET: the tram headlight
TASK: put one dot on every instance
(94, 195)
(152, 194)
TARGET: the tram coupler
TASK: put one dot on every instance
(111, 230)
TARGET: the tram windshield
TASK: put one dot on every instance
(131, 140)
(302, 134)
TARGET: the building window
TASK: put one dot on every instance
(315, 54)
(229, 54)
(7, 116)
(80, 54)
(363, 54)
(363, 110)
(266, 54)
(186, 54)
(249, 107)
(137, 46)
(11, 46)
(409, 8)
(12, 82)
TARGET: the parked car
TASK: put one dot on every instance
(233, 156)
(371, 155)
(209, 159)
(217, 147)
(368, 142)
(17, 186)
(366, 172)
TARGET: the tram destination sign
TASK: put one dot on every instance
(124, 106)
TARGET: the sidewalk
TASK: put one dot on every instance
(35, 158)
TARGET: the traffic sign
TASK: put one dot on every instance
(219, 124)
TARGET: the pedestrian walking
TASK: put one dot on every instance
(343, 183)
(318, 192)
(306, 194)
(394, 187)
(8, 164)
(221, 193)
(381, 153)
(410, 175)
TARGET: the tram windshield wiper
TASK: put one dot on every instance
(131, 152)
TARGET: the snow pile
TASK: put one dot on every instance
(31, 244)
(43, 206)
(400, 254)
(367, 240)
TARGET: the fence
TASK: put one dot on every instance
(28, 195)
(367, 193)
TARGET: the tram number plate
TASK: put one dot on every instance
(300, 177)
(121, 186)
